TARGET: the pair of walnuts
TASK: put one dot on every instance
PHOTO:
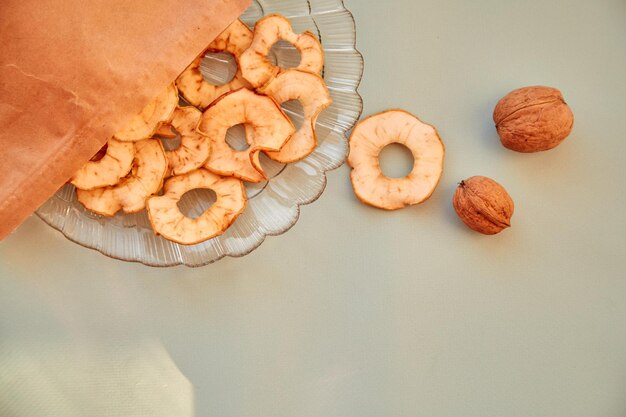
(529, 119)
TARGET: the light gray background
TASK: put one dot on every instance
(359, 312)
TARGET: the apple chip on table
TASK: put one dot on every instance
(368, 139)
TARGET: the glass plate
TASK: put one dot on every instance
(273, 206)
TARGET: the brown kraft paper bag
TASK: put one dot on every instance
(73, 72)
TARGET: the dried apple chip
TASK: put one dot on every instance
(312, 93)
(375, 132)
(168, 221)
(194, 148)
(194, 88)
(145, 179)
(256, 66)
(113, 166)
(146, 123)
(268, 130)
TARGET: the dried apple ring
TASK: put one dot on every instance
(375, 132)
(113, 166)
(258, 69)
(130, 194)
(194, 148)
(269, 129)
(168, 221)
(157, 112)
(235, 39)
(312, 93)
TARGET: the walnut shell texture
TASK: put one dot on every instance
(533, 119)
(483, 205)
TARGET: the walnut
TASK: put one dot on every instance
(483, 205)
(533, 119)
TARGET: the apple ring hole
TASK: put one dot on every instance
(195, 202)
(218, 68)
(293, 109)
(236, 138)
(284, 55)
(171, 144)
(396, 160)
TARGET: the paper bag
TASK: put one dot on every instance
(73, 72)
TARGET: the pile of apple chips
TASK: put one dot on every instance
(134, 172)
